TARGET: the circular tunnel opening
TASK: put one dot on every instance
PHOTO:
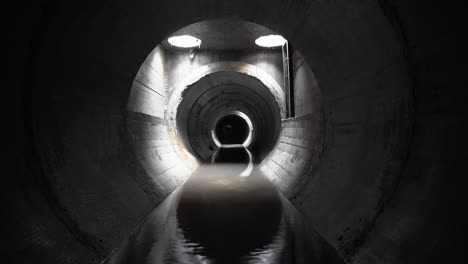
(228, 108)
(188, 103)
(234, 129)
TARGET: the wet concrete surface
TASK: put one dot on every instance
(227, 212)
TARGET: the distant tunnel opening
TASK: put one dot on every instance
(225, 91)
(222, 108)
(233, 129)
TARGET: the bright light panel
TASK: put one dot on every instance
(184, 41)
(270, 41)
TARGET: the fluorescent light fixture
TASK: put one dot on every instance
(184, 41)
(270, 41)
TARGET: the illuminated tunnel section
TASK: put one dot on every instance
(210, 101)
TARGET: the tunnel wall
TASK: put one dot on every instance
(296, 156)
(153, 138)
(32, 228)
(307, 97)
(425, 221)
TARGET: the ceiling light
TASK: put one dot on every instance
(270, 41)
(184, 41)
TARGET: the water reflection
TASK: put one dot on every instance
(217, 208)
(232, 156)
(225, 213)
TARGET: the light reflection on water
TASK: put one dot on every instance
(266, 254)
(220, 216)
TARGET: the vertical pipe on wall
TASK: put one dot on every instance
(288, 84)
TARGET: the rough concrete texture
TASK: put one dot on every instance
(152, 137)
(294, 159)
(387, 189)
(307, 97)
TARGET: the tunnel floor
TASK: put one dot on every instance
(226, 212)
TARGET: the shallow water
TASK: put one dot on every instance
(225, 213)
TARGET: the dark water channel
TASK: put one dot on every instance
(227, 212)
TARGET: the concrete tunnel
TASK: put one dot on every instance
(111, 120)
